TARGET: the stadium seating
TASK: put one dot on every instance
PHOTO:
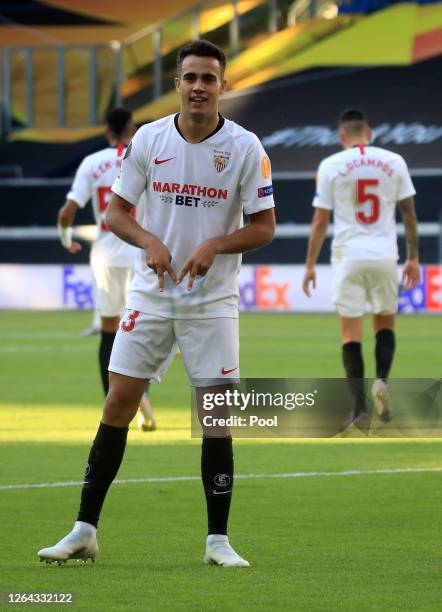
(137, 55)
(343, 41)
(76, 87)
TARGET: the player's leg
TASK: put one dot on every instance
(141, 345)
(383, 327)
(351, 332)
(210, 350)
(111, 298)
(383, 297)
(109, 445)
(349, 298)
(103, 463)
(145, 417)
(108, 330)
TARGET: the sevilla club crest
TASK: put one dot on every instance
(220, 162)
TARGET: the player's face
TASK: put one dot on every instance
(200, 84)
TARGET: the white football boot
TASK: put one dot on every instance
(219, 552)
(382, 400)
(76, 545)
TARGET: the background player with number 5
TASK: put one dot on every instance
(362, 186)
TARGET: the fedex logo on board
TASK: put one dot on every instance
(427, 295)
(77, 288)
(262, 291)
(433, 292)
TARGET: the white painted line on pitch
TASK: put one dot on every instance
(155, 479)
(34, 348)
(17, 335)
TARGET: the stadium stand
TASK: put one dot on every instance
(76, 41)
(263, 57)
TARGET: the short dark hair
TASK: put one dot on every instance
(353, 114)
(353, 121)
(201, 48)
(117, 120)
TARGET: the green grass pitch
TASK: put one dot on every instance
(316, 543)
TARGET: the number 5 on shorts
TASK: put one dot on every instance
(362, 196)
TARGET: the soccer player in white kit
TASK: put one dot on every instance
(362, 186)
(112, 260)
(197, 172)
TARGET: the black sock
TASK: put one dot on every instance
(354, 368)
(103, 464)
(384, 352)
(104, 353)
(217, 476)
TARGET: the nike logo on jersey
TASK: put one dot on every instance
(222, 492)
(162, 161)
(224, 372)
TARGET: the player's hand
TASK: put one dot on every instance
(309, 277)
(198, 263)
(74, 248)
(158, 259)
(411, 274)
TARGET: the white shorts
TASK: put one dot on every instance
(111, 288)
(357, 282)
(209, 347)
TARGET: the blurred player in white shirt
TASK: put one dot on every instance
(197, 173)
(112, 260)
(362, 186)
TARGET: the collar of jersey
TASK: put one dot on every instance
(221, 122)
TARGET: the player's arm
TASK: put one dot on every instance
(321, 219)
(323, 204)
(79, 195)
(122, 223)
(258, 233)
(411, 273)
(65, 219)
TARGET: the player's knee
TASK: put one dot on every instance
(120, 407)
(110, 324)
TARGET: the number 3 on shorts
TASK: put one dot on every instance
(363, 196)
(128, 322)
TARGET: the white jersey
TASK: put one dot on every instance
(93, 180)
(190, 193)
(362, 186)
